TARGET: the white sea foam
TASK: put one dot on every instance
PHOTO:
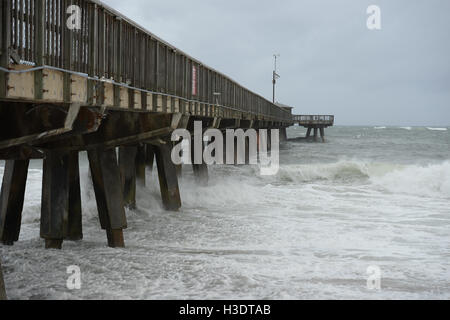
(379, 128)
(339, 171)
(437, 129)
(431, 180)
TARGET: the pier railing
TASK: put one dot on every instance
(327, 120)
(106, 45)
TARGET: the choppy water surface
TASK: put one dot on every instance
(368, 197)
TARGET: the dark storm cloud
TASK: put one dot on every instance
(330, 62)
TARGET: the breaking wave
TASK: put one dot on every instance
(430, 180)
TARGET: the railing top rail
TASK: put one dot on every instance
(314, 118)
(313, 115)
(152, 35)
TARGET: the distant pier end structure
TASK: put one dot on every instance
(315, 124)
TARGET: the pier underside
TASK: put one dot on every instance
(120, 145)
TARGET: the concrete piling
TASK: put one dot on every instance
(11, 199)
(317, 129)
(308, 133)
(322, 134)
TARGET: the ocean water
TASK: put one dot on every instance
(370, 196)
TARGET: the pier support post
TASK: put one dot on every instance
(2, 284)
(179, 168)
(150, 156)
(315, 134)
(322, 134)
(168, 180)
(201, 173)
(269, 140)
(308, 133)
(75, 231)
(127, 164)
(247, 150)
(200, 170)
(108, 194)
(283, 134)
(11, 199)
(140, 165)
(55, 200)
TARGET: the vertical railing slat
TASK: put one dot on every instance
(39, 36)
(5, 33)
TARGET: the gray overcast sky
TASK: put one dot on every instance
(330, 62)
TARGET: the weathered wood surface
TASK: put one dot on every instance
(108, 194)
(168, 179)
(141, 164)
(75, 229)
(55, 199)
(127, 164)
(2, 284)
(144, 73)
(12, 199)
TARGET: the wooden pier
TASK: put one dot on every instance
(315, 124)
(113, 89)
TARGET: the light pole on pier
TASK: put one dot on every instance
(275, 76)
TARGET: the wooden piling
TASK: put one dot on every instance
(5, 42)
(247, 150)
(200, 169)
(127, 165)
(140, 165)
(150, 156)
(2, 284)
(201, 173)
(108, 194)
(179, 168)
(168, 180)
(283, 134)
(75, 228)
(11, 199)
(55, 200)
